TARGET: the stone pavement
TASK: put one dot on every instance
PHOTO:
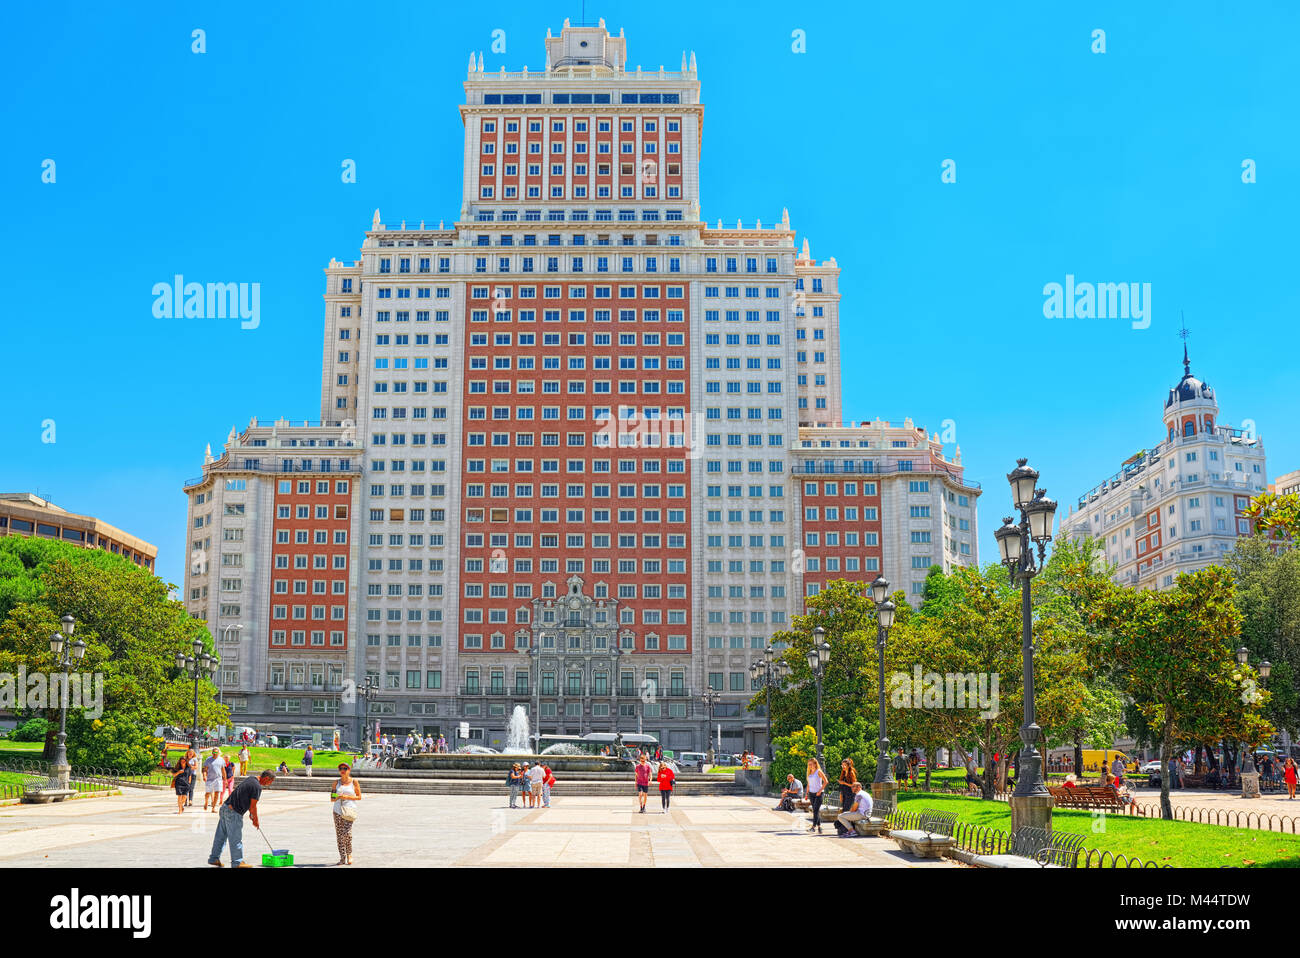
(141, 829)
(1228, 807)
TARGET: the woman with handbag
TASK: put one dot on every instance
(346, 794)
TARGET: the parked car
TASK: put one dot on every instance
(691, 759)
(303, 743)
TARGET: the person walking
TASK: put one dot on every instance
(642, 782)
(848, 784)
(230, 823)
(213, 774)
(900, 767)
(515, 780)
(192, 760)
(243, 761)
(1288, 774)
(548, 779)
(228, 780)
(181, 783)
(665, 777)
(307, 757)
(816, 787)
(346, 794)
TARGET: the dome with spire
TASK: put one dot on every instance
(1189, 387)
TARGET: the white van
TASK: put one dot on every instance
(690, 760)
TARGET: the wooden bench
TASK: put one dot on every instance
(932, 838)
(1087, 796)
(1036, 847)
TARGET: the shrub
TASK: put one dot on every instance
(33, 730)
(112, 741)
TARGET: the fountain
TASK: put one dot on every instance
(517, 740)
(520, 746)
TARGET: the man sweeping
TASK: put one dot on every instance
(230, 823)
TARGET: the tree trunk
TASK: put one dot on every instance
(51, 740)
(1078, 756)
(1166, 753)
(930, 756)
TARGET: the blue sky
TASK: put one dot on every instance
(1116, 167)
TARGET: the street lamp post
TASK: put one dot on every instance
(366, 691)
(1249, 774)
(883, 787)
(818, 656)
(200, 665)
(65, 655)
(1031, 805)
(767, 674)
(710, 698)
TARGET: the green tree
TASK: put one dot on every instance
(132, 631)
(1278, 516)
(975, 640)
(847, 613)
(1174, 656)
(1267, 593)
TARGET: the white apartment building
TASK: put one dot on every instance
(1177, 506)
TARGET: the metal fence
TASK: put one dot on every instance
(986, 840)
(33, 774)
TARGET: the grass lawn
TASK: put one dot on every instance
(21, 778)
(1180, 844)
(260, 758)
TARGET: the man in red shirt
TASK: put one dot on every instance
(642, 782)
(547, 781)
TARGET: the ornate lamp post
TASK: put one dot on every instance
(883, 786)
(1030, 804)
(768, 674)
(818, 656)
(1250, 774)
(65, 655)
(200, 665)
(710, 698)
(366, 691)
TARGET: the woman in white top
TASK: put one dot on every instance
(816, 785)
(346, 794)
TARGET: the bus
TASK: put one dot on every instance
(594, 742)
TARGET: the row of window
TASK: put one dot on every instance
(296, 637)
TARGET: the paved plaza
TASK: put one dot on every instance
(140, 829)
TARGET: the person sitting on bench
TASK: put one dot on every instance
(793, 790)
(844, 824)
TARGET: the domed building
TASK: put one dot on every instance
(1177, 506)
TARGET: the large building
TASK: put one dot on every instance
(272, 570)
(600, 444)
(23, 514)
(1177, 506)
